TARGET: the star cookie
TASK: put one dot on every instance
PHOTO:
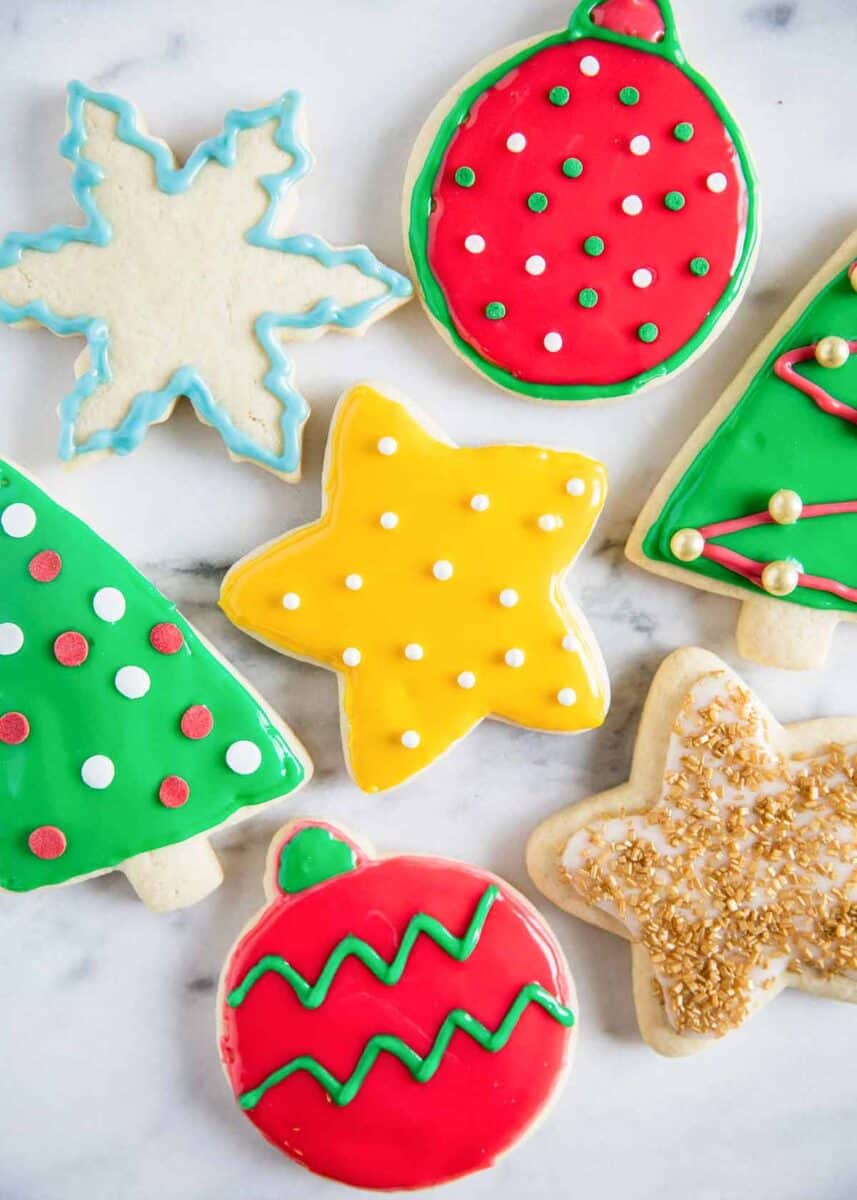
(729, 859)
(432, 583)
(183, 282)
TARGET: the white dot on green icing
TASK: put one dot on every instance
(18, 520)
(411, 739)
(640, 145)
(466, 680)
(354, 582)
(566, 697)
(108, 604)
(98, 772)
(11, 637)
(414, 652)
(132, 682)
(516, 142)
(387, 446)
(632, 206)
(589, 65)
(508, 597)
(291, 601)
(474, 243)
(351, 656)
(716, 182)
(515, 658)
(575, 487)
(243, 758)
(388, 520)
(480, 502)
(442, 570)
(535, 265)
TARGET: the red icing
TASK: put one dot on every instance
(14, 728)
(174, 791)
(45, 566)
(785, 369)
(166, 638)
(633, 18)
(47, 842)
(197, 722)
(71, 649)
(397, 1133)
(601, 345)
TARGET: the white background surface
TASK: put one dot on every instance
(110, 1082)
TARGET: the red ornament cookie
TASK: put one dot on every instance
(392, 1023)
(581, 211)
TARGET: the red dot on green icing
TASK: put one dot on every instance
(559, 96)
(47, 842)
(45, 566)
(71, 649)
(465, 177)
(174, 791)
(166, 638)
(629, 96)
(674, 201)
(14, 728)
(537, 202)
(572, 168)
(495, 311)
(587, 297)
(197, 722)
(648, 332)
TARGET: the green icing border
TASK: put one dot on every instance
(580, 26)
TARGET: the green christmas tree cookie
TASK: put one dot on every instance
(124, 737)
(761, 504)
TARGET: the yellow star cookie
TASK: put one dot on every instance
(433, 584)
(729, 859)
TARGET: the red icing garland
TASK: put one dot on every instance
(784, 367)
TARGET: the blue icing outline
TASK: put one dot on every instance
(149, 407)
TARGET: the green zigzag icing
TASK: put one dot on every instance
(388, 973)
(422, 1069)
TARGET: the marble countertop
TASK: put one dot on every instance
(111, 1084)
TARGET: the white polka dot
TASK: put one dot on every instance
(570, 643)
(387, 446)
(18, 520)
(11, 637)
(291, 601)
(243, 758)
(716, 182)
(108, 604)
(410, 739)
(515, 658)
(589, 65)
(508, 597)
(354, 582)
(575, 487)
(640, 145)
(388, 520)
(548, 522)
(442, 570)
(516, 142)
(553, 342)
(632, 205)
(566, 697)
(474, 243)
(414, 651)
(466, 680)
(351, 656)
(535, 265)
(642, 277)
(480, 502)
(132, 682)
(98, 772)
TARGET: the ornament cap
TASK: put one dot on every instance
(306, 853)
(645, 20)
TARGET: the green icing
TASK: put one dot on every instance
(495, 311)
(537, 202)
(674, 201)
(587, 297)
(559, 96)
(776, 437)
(572, 168)
(77, 712)
(684, 132)
(594, 246)
(311, 856)
(465, 177)
(629, 96)
(648, 332)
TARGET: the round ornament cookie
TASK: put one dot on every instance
(581, 209)
(124, 736)
(392, 1023)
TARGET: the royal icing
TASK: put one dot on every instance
(629, 160)
(143, 280)
(743, 868)
(437, 535)
(394, 1023)
(93, 744)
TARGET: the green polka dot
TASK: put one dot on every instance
(699, 266)
(495, 311)
(537, 202)
(587, 297)
(465, 177)
(594, 245)
(648, 332)
(573, 168)
(629, 96)
(674, 201)
(683, 132)
(559, 96)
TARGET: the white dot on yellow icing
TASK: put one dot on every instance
(716, 182)
(354, 582)
(575, 487)
(589, 65)
(410, 739)
(466, 680)
(508, 597)
(570, 643)
(291, 601)
(566, 697)
(553, 342)
(548, 522)
(414, 651)
(632, 206)
(474, 243)
(387, 446)
(515, 658)
(442, 570)
(516, 142)
(388, 520)
(480, 502)
(351, 656)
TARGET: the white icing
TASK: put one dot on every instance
(388, 520)
(535, 265)
(414, 652)
(516, 142)
(474, 243)
(387, 446)
(466, 680)
(566, 697)
(642, 277)
(108, 604)
(640, 145)
(508, 597)
(632, 205)
(553, 341)
(716, 182)
(11, 637)
(480, 502)
(442, 570)
(354, 582)
(351, 656)
(291, 601)
(515, 658)
(243, 758)
(548, 522)
(575, 486)
(589, 65)
(18, 520)
(410, 739)
(98, 772)
(132, 682)
(570, 643)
